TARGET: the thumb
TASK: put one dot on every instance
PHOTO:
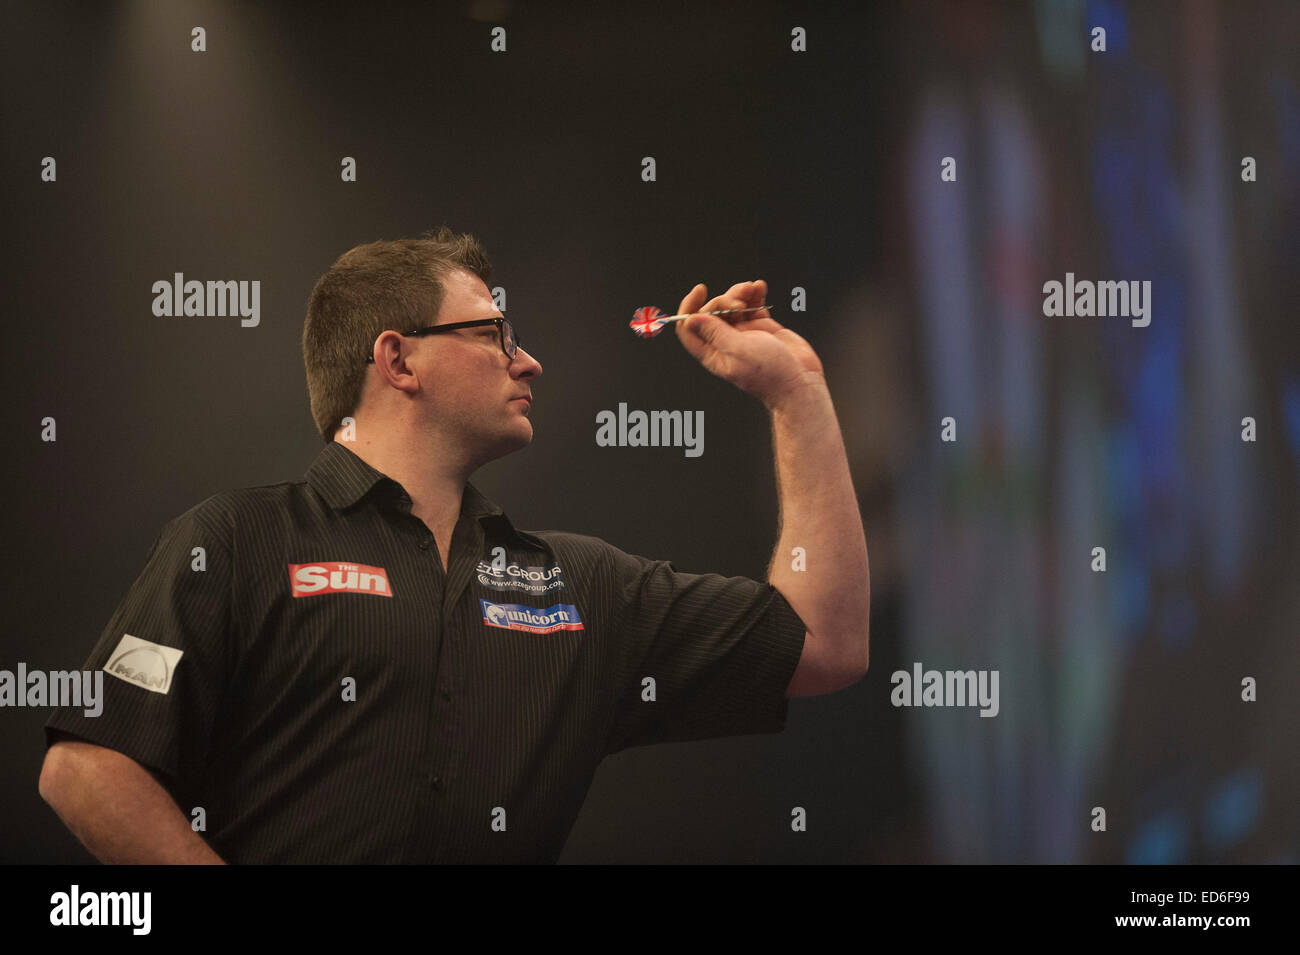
(694, 325)
(689, 334)
(708, 328)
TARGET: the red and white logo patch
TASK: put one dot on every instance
(330, 577)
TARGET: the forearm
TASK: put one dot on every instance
(118, 810)
(819, 513)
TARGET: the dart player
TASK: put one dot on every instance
(374, 664)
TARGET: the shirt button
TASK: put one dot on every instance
(446, 695)
(424, 544)
(436, 782)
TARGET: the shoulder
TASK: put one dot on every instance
(594, 560)
(574, 546)
(225, 514)
(567, 546)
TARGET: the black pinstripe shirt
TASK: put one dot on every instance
(295, 660)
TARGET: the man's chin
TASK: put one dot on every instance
(517, 440)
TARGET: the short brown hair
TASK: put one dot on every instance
(369, 289)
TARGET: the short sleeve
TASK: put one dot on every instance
(164, 657)
(721, 652)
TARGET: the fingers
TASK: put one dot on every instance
(693, 300)
(761, 318)
(741, 295)
(746, 295)
(751, 292)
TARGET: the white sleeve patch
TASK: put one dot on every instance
(142, 663)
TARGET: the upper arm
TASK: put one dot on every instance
(817, 672)
(56, 758)
(162, 663)
(70, 758)
(720, 651)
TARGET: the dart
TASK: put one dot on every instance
(647, 322)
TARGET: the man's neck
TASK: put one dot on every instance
(434, 480)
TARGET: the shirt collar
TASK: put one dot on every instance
(342, 478)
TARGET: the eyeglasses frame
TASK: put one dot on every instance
(498, 321)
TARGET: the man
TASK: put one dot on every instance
(374, 665)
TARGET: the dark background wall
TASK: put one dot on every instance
(816, 169)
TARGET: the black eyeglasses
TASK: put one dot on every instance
(509, 340)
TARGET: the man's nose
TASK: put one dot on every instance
(531, 366)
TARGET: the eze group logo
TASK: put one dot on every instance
(531, 619)
(328, 577)
(534, 580)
